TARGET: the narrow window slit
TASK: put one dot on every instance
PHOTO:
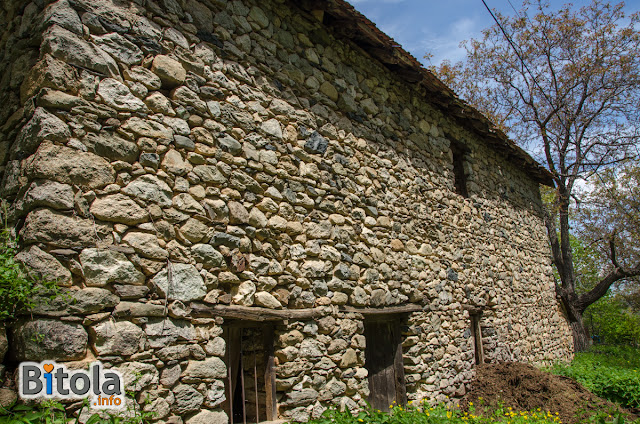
(459, 177)
(478, 350)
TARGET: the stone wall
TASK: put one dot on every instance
(238, 152)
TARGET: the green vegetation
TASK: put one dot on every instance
(611, 320)
(17, 288)
(52, 412)
(424, 414)
(611, 372)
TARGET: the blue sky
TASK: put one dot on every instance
(438, 26)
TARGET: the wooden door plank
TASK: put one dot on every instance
(400, 385)
(270, 373)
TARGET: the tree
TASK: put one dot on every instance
(611, 205)
(566, 85)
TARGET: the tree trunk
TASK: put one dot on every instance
(581, 340)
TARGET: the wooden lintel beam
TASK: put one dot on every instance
(254, 313)
(251, 313)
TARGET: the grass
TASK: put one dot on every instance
(611, 372)
(425, 414)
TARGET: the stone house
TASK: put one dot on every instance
(262, 209)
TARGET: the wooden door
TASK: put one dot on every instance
(250, 383)
(383, 360)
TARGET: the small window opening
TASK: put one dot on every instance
(250, 383)
(384, 362)
(478, 351)
(459, 177)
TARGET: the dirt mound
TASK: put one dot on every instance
(526, 388)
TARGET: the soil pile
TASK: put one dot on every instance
(526, 388)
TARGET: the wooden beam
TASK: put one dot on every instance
(251, 313)
(254, 313)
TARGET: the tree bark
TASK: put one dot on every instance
(581, 340)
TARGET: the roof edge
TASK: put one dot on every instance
(348, 23)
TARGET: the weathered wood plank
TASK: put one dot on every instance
(254, 313)
(270, 373)
(251, 313)
(400, 385)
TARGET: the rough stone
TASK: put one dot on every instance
(119, 208)
(188, 399)
(143, 76)
(91, 300)
(47, 226)
(170, 375)
(215, 394)
(174, 163)
(130, 291)
(118, 96)
(69, 166)
(267, 300)
(146, 245)
(67, 46)
(111, 146)
(164, 331)
(62, 14)
(194, 230)
(48, 72)
(237, 213)
(42, 126)
(170, 71)
(186, 285)
(43, 339)
(207, 255)
(186, 203)
(138, 309)
(117, 338)
(316, 144)
(147, 128)
(244, 293)
(159, 103)
(209, 417)
(209, 174)
(8, 397)
(138, 375)
(44, 266)
(103, 266)
(229, 144)
(48, 194)
(301, 397)
(149, 188)
(207, 370)
(272, 127)
(120, 48)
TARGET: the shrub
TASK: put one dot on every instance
(17, 288)
(52, 412)
(611, 372)
(611, 321)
